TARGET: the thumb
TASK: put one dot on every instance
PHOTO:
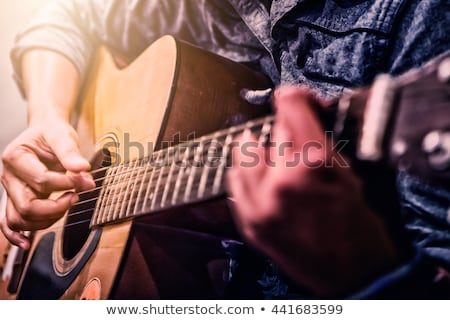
(64, 144)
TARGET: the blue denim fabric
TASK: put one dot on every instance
(331, 45)
(426, 210)
(327, 45)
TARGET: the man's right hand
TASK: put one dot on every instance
(42, 159)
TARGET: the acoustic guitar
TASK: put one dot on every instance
(132, 122)
(160, 132)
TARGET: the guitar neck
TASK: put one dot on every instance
(189, 172)
(395, 121)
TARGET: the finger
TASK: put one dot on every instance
(248, 170)
(27, 167)
(249, 155)
(34, 173)
(297, 123)
(32, 209)
(83, 181)
(16, 238)
(66, 148)
(295, 115)
(242, 201)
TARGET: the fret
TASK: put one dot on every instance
(146, 166)
(108, 199)
(202, 183)
(207, 166)
(125, 185)
(148, 193)
(180, 176)
(132, 182)
(191, 149)
(218, 177)
(156, 192)
(210, 182)
(173, 155)
(101, 202)
(265, 131)
(122, 178)
(192, 174)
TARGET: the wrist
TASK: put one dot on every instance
(39, 114)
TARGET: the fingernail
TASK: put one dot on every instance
(74, 199)
(24, 244)
(87, 177)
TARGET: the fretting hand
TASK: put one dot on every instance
(311, 217)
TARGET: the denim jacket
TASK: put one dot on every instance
(327, 45)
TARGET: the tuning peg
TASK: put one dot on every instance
(437, 145)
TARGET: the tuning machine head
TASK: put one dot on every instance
(436, 144)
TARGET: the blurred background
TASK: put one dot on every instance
(13, 16)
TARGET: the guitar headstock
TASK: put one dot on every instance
(404, 121)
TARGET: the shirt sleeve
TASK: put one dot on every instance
(74, 29)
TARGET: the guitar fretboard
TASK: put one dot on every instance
(186, 173)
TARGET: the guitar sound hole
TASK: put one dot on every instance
(76, 228)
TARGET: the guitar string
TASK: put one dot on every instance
(72, 224)
(175, 177)
(149, 184)
(164, 180)
(251, 125)
(140, 202)
(215, 136)
(140, 179)
(196, 184)
(169, 162)
(134, 174)
(158, 168)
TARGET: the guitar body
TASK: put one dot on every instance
(170, 93)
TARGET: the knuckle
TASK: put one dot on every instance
(24, 209)
(72, 133)
(7, 157)
(40, 183)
